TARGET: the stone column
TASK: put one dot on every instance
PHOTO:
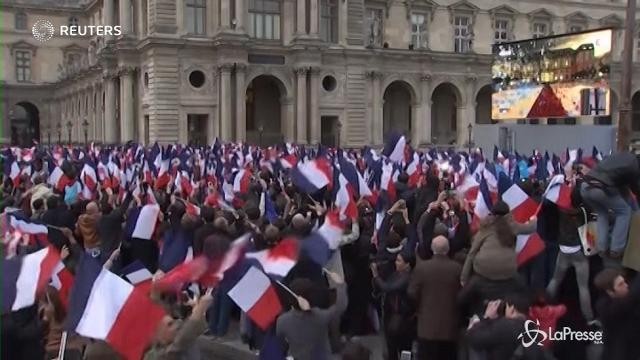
(241, 103)
(301, 17)
(287, 113)
(469, 110)
(314, 18)
(110, 124)
(127, 125)
(108, 15)
(288, 27)
(125, 17)
(225, 102)
(301, 105)
(377, 108)
(314, 100)
(240, 15)
(225, 14)
(424, 137)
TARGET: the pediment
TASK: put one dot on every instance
(541, 14)
(505, 10)
(577, 17)
(612, 20)
(464, 6)
(23, 45)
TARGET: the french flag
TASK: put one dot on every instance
(136, 273)
(14, 173)
(105, 307)
(23, 278)
(522, 209)
(257, 297)
(414, 170)
(142, 221)
(204, 271)
(288, 161)
(559, 193)
(313, 175)
(394, 147)
(280, 259)
(322, 242)
(89, 181)
(22, 229)
(484, 202)
(62, 280)
(241, 181)
(354, 177)
(345, 199)
(58, 179)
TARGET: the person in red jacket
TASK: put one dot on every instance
(547, 316)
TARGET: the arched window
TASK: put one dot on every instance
(21, 21)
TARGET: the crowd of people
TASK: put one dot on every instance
(423, 272)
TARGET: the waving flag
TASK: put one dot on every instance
(257, 297)
(394, 147)
(105, 307)
(321, 243)
(141, 223)
(484, 202)
(559, 193)
(62, 280)
(344, 199)
(280, 259)
(313, 175)
(23, 278)
(522, 209)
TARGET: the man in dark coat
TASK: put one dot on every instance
(606, 188)
(619, 311)
(434, 286)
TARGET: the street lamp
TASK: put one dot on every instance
(260, 131)
(69, 127)
(470, 132)
(339, 126)
(59, 129)
(85, 127)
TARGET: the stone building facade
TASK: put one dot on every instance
(261, 71)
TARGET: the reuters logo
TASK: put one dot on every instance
(43, 30)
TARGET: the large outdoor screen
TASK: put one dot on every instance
(557, 76)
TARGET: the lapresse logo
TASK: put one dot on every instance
(533, 335)
(43, 30)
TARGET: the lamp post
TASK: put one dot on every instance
(260, 131)
(339, 135)
(85, 128)
(69, 127)
(59, 129)
(469, 141)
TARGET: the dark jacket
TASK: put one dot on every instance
(434, 288)
(184, 345)
(426, 233)
(200, 235)
(497, 337)
(618, 170)
(396, 302)
(621, 324)
(386, 256)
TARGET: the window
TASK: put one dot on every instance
(264, 19)
(23, 66)
(373, 27)
(329, 21)
(461, 35)
(501, 33)
(419, 31)
(540, 29)
(21, 21)
(195, 16)
(73, 21)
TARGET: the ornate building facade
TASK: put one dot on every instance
(262, 71)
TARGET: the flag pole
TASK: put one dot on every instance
(63, 346)
(287, 288)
